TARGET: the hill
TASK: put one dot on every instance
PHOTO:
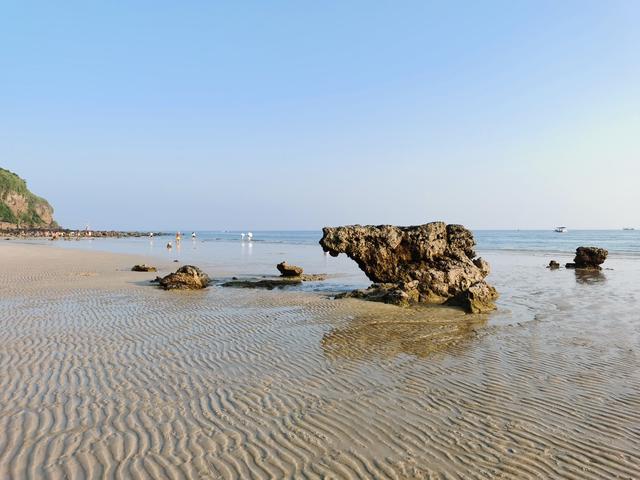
(21, 208)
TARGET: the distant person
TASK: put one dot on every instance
(178, 236)
(169, 246)
(150, 234)
(193, 235)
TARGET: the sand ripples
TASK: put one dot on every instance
(103, 378)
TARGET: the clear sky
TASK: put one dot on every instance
(294, 115)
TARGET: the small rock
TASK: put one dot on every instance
(479, 298)
(287, 270)
(186, 277)
(143, 268)
(553, 265)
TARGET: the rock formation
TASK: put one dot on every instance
(19, 208)
(287, 270)
(187, 277)
(431, 263)
(588, 258)
(143, 268)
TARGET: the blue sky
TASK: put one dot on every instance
(295, 115)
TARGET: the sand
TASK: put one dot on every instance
(104, 376)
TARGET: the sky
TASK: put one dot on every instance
(296, 115)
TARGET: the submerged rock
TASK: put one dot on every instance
(397, 294)
(287, 270)
(589, 257)
(187, 277)
(431, 263)
(268, 284)
(143, 268)
(271, 283)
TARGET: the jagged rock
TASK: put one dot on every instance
(431, 263)
(187, 277)
(553, 265)
(590, 257)
(143, 268)
(287, 270)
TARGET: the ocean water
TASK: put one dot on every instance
(618, 242)
(224, 254)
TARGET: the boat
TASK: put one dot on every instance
(561, 230)
(627, 228)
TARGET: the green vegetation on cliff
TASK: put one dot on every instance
(20, 207)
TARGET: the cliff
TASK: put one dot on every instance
(21, 208)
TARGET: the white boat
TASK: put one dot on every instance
(561, 230)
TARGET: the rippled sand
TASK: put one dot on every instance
(102, 376)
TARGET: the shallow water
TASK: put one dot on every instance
(102, 376)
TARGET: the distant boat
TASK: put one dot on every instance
(561, 230)
(627, 228)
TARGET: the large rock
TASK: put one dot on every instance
(590, 257)
(287, 270)
(187, 277)
(431, 263)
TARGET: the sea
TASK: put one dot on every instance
(227, 254)
(618, 242)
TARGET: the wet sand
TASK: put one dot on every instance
(103, 376)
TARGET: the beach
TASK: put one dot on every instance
(103, 375)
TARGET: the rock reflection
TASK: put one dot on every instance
(588, 276)
(418, 332)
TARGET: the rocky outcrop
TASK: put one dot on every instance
(589, 258)
(143, 268)
(19, 208)
(287, 270)
(431, 263)
(187, 277)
